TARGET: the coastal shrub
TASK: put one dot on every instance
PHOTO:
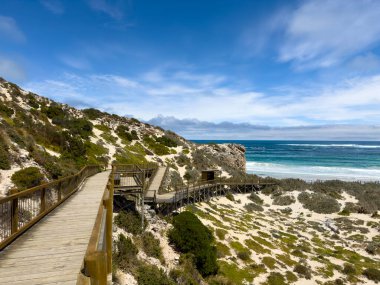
(283, 200)
(183, 159)
(372, 274)
(157, 147)
(186, 273)
(125, 250)
(348, 269)
(251, 207)
(27, 178)
(219, 280)
(244, 255)
(130, 222)
(189, 235)
(6, 110)
(151, 245)
(302, 270)
(4, 155)
(276, 278)
(319, 203)
(93, 114)
(373, 248)
(230, 196)
(255, 199)
(222, 250)
(167, 141)
(291, 184)
(331, 188)
(344, 212)
(152, 275)
(191, 175)
(220, 233)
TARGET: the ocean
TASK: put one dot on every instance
(312, 160)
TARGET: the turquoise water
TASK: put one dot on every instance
(312, 160)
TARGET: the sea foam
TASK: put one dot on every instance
(312, 173)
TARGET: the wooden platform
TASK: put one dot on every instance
(52, 251)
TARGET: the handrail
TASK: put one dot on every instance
(20, 211)
(97, 263)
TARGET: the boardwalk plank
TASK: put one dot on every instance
(52, 251)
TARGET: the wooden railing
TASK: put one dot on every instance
(20, 211)
(97, 263)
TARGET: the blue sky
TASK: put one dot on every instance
(206, 69)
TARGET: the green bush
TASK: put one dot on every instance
(256, 199)
(151, 245)
(4, 155)
(230, 196)
(27, 178)
(6, 110)
(244, 255)
(189, 235)
(130, 222)
(93, 114)
(319, 203)
(283, 200)
(125, 252)
(302, 270)
(187, 274)
(372, 274)
(167, 141)
(152, 275)
(251, 207)
(276, 278)
(221, 233)
(348, 269)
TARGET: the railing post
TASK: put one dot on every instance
(14, 216)
(43, 200)
(96, 267)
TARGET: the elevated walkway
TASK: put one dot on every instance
(52, 251)
(155, 185)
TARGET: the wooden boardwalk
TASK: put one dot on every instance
(52, 251)
(156, 182)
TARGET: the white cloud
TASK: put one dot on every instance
(113, 8)
(54, 6)
(11, 70)
(354, 101)
(195, 129)
(322, 33)
(75, 62)
(10, 30)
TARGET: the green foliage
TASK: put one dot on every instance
(291, 184)
(189, 235)
(125, 252)
(6, 110)
(151, 245)
(123, 132)
(27, 178)
(255, 198)
(220, 233)
(230, 196)
(32, 102)
(4, 155)
(319, 203)
(349, 269)
(156, 146)
(372, 274)
(191, 175)
(152, 275)
(187, 274)
(167, 141)
(303, 270)
(251, 207)
(130, 222)
(93, 114)
(244, 255)
(283, 200)
(103, 128)
(276, 278)
(54, 111)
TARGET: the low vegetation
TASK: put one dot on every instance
(27, 178)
